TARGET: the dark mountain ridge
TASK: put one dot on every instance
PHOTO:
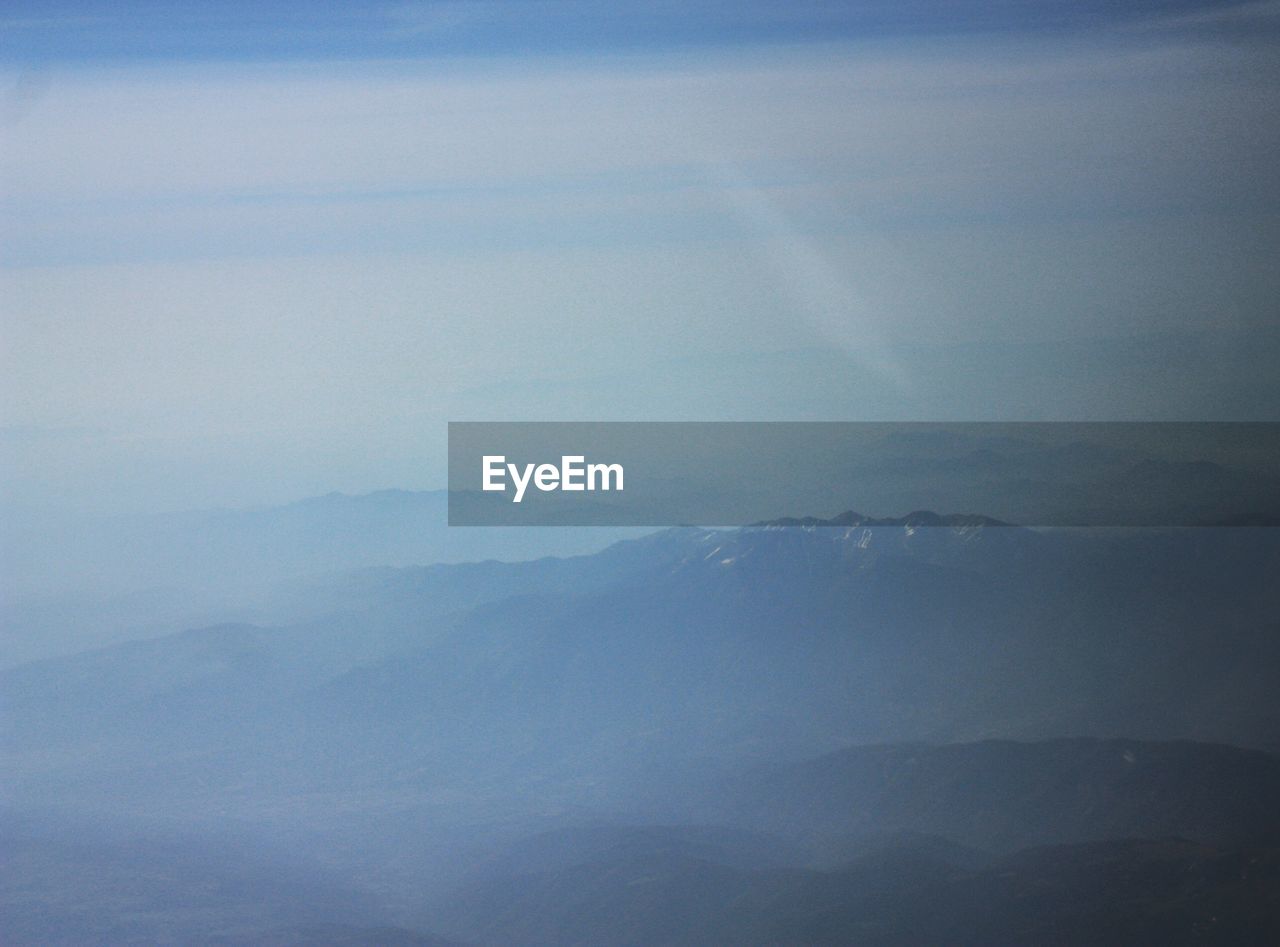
(1002, 795)
(711, 682)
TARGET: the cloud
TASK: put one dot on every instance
(837, 134)
(341, 249)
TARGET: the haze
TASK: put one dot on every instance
(243, 266)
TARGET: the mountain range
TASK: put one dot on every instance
(938, 728)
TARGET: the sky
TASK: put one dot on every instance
(254, 252)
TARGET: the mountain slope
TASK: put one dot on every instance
(1116, 892)
(690, 649)
(1002, 795)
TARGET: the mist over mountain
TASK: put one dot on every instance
(970, 308)
(80, 582)
(1001, 796)
(834, 724)
(1115, 892)
(85, 581)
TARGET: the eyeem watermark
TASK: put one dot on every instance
(739, 473)
(573, 474)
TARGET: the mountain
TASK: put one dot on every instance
(331, 935)
(1165, 891)
(83, 582)
(76, 884)
(1001, 795)
(792, 641)
(916, 519)
(1065, 841)
(692, 646)
(830, 717)
(239, 548)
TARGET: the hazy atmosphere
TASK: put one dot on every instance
(254, 253)
(255, 257)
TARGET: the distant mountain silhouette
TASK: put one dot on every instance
(777, 734)
(1001, 795)
(703, 643)
(918, 518)
(85, 582)
(1165, 891)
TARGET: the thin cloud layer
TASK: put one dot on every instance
(352, 244)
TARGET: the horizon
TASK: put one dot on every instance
(244, 260)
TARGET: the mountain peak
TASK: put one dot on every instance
(915, 518)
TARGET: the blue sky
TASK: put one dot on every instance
(255, 252)
(53, 32)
